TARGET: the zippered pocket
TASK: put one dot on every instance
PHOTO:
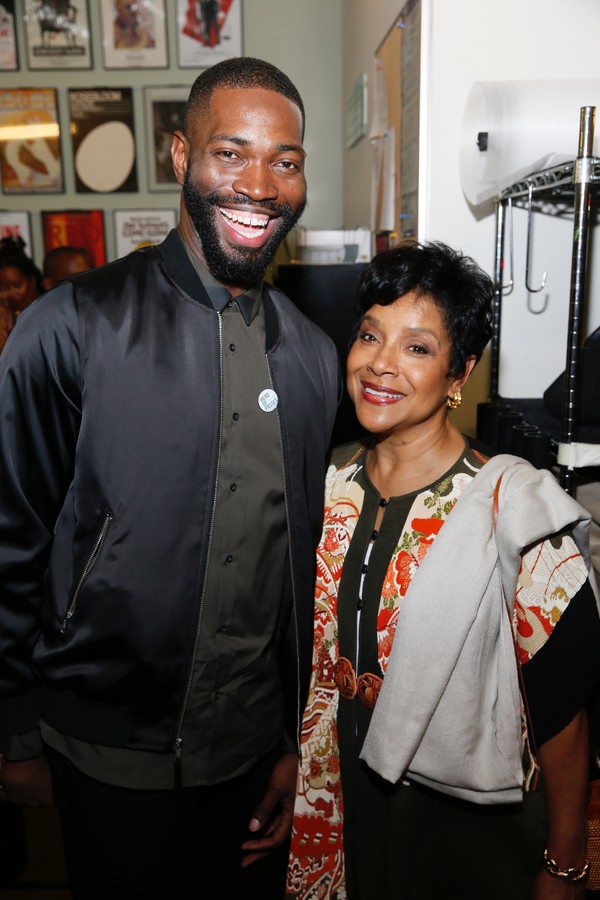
(90, 562)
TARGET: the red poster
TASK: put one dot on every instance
(203, 21)
(76, 228)
(208, 31)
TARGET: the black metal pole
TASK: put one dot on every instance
(581, 220)
(497, 312)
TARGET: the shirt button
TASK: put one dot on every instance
(229, 558)
(223, 629)
(232, 347)
(233, 487)
(235, 417)
(217, 695)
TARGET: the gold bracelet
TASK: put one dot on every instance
(573, 876)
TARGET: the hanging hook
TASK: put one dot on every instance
(536, 312)
(532, 290)
(507, 289)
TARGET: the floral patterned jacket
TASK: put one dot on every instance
(544, 589)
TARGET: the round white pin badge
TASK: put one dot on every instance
(268, 400)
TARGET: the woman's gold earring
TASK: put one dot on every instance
(454, 401)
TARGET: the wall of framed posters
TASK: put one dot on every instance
(90, 93)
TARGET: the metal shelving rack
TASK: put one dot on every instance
(564, 189)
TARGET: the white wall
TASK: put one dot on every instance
(467, 41)
(304, 39)
(475, 41)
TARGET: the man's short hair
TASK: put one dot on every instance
(239, 72)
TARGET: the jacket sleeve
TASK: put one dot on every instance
(557, 635)
(40, 411)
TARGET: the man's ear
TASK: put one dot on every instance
(179, 155)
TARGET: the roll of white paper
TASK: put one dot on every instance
(524, 126)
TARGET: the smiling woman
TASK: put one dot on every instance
(418, 335)
(398, 370)
(413, 736)
(20, 284)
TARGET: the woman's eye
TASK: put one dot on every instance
(366, 336)
(418, 348)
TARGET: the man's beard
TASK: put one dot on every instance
(239, 266)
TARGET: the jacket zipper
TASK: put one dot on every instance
(291, 564)
(178, 743)
(89, 565)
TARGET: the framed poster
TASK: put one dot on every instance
(208, 31)
(134, 35)
(103, 140)
(135, 228)
(75, 228)
(165, 109)
(30, 160)
(9, 60)
(57, 34)
(16, 225)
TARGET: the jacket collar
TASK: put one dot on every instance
(177, 263)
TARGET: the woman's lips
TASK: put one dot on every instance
(380, 396)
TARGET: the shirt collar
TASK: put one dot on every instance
(249, 302)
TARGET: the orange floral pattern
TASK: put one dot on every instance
(317, 862)
(551, 574)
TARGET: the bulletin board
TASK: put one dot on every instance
(398, 62)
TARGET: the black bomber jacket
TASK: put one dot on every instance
(109, 449)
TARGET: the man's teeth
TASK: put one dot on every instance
(392, 396)
(245, 219)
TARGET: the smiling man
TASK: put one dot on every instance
(165, 423)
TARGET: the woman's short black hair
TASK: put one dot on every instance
(460, 288)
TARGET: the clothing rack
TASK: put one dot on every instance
(567, 188)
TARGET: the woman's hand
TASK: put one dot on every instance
(545, 887)
(564, 764)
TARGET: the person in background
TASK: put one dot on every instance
(61, 262)
(20, 283)
(442, 576)
(165, 422)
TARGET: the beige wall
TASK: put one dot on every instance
(305, 40)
